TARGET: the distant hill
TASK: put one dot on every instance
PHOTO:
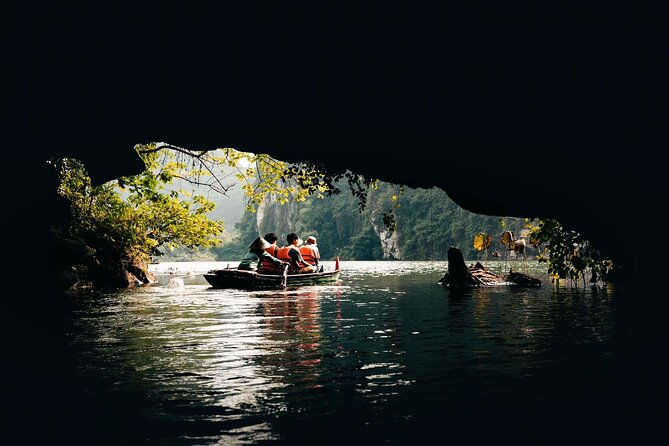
(428, 223)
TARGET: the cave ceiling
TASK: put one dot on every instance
(540, 121)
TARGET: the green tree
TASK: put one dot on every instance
(567, 253)
(126, 231)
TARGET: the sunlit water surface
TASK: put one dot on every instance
(386, 355)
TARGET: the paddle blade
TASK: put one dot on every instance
(336, 263)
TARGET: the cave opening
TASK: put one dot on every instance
(242, 195)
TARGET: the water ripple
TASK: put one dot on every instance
(247, 367)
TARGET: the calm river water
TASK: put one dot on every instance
(384, 356)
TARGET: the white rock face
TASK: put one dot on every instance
(389, 243)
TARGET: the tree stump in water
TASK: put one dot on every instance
(460, 275)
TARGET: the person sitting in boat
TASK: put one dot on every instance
(272, 239)
(310, 252)
(291, 253)
(259, 260)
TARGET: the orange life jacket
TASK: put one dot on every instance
(272, 250)
(267, 266)
(282, 253)
(308, 254)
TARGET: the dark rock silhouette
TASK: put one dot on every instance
(460, 275)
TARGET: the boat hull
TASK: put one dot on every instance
(232, 278)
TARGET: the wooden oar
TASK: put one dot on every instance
(284, 279)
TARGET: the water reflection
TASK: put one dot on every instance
(459, 301)
(291, 320)
(383, 353)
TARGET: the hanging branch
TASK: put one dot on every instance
(202, 158)
(302, 179)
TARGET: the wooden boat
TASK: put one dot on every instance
(234, 278)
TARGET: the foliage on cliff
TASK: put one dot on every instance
(567, 253)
